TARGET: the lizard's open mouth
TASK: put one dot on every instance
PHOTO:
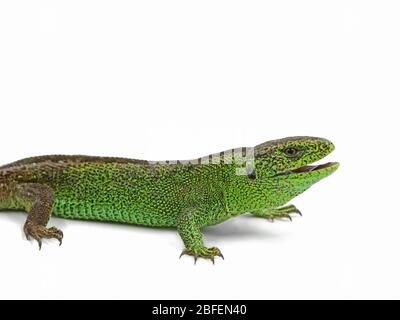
(310, 168)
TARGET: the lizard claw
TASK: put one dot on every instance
(283, 213)
(205, 253)
(298, 212)
(39, 232)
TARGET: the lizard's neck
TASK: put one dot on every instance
(244, 194)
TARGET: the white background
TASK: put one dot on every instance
(182, 79)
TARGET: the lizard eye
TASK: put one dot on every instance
(290, 152)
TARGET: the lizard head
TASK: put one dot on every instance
(293, 158)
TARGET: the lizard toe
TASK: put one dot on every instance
(204, 253)
(39, 232)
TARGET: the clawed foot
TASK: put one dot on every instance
(205, 253)
(39, 232)
(283, 213)
(282, 216)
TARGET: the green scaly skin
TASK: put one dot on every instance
(183, 195)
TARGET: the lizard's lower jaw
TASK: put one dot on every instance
(310, 168)
(307, 169)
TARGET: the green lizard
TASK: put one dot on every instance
(186, 195)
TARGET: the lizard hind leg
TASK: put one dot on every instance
(38, 199)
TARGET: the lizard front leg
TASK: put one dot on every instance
(37, 199)
(271, 214)
(189, 228)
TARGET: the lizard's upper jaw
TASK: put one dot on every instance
(307, 169)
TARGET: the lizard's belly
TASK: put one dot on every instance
(113, 212)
